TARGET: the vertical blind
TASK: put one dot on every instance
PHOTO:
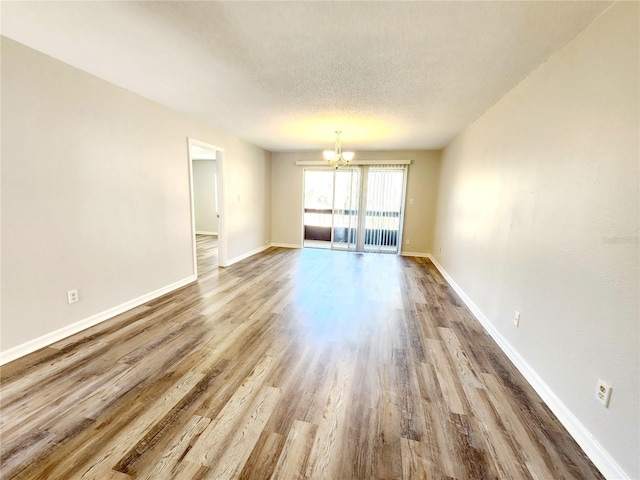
(385, 185)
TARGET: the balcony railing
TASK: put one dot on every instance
(317, 226)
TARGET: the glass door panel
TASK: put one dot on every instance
(318, 208)
(345, 208)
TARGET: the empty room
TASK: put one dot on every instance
(322, 240)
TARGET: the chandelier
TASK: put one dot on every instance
(337, 158)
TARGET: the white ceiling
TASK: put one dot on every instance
(285, 75)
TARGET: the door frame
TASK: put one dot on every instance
(222, 239)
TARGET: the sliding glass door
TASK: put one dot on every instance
(356, 208)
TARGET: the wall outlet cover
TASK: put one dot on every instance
(72, 296)
(603, 393)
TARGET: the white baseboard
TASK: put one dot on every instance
(64, 332)
(246, 255)
(204, 232)
(415, 254)
(286, 245)
(598, 455)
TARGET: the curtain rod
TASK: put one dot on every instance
(355, 162)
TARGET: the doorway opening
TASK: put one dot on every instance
(205, 168)
(357, 208)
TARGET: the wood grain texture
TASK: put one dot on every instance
(292, 364)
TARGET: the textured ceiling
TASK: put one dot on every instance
(285, 75)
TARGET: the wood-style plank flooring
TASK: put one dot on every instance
(207, 248)
(291, 364)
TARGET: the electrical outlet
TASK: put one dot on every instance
(516, 319)
(72, 296)
(603, 393)
(408, 242)
(440, 250)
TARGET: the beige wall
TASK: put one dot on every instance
(422, 182)
(204, 196)
(538, 212)
(95, 195)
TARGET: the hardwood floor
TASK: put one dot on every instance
(207, 248)
(290, 364)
